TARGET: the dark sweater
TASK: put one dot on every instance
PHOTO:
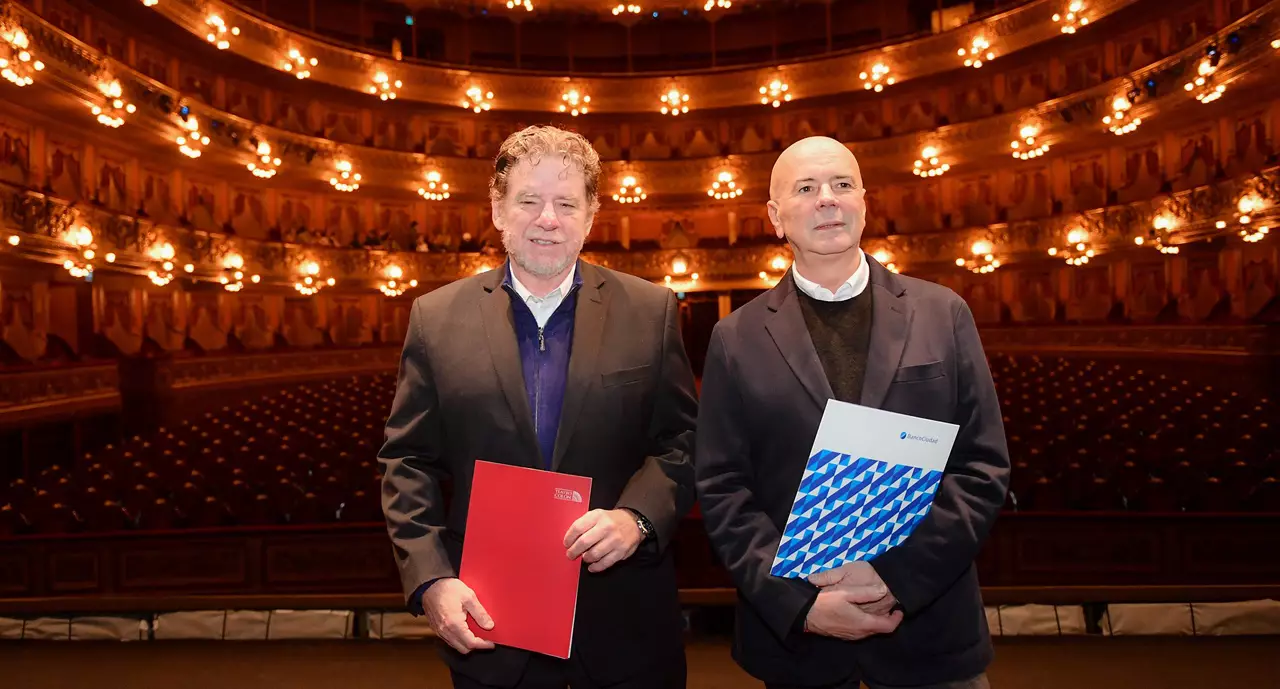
(841, 333)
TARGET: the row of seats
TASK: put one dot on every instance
(303, 455)
(1083, 435)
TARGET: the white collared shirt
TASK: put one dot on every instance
(848, 290)
(543, 307)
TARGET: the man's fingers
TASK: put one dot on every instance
(600, 550)
(473, 607)
(882, 624)
(826, 578)
(586, 541)
(858, 595)
(580, 526)
(606, 562)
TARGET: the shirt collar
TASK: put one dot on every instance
(848, 290)
(572, 279)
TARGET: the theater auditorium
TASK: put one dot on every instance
(218, 214)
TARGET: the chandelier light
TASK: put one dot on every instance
(111, 113)
(574, 102)
(265, 167)
(219, 33)
(436, 189)
(346, 178)
(983, 259)
(711, 5)
(1074, 18)
(928, 165)
(515, 4)
(310, 282)
(1026, 148)
(297, 64)
(192, 142)
(775, 93)
(394, 286)
(877, 78)
(630, 191)
(674, 102)
(626, 9)
(724, 187)
(979, 50)
(17, 64)
(477, 100)
(384, 87)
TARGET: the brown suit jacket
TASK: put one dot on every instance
(627, 422)
(763, 395)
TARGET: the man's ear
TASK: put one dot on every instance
(495, 211)
(772, 206)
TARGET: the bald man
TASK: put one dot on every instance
(841, 326)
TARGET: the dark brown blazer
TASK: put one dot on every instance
(627, 422)
(763, 395)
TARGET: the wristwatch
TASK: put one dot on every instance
(642, 523)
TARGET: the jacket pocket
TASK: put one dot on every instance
(624, 376)
(912, 374)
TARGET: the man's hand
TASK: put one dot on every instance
(447, 604)
(861, 577)
(836, 613)
(603, 538)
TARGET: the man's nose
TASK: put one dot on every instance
(548, 218)
(825, 196)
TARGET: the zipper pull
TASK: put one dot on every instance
(542, 341)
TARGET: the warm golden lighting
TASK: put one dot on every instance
(477, 99)
(436, 189)
(192, 143)
(1074, 18)
(710, 5)
(630, 191)
(297, 64)
(346, 179)
(384, 87)
(14, 240)
(927, 165)
(574, 102)
(978, 50)
(219, 33)
(1202, 86)
(621, 9)
(877, 78)
(679, 266)
(724, 187)
(1163, 222)
(674, 102)
(527, 5)
(18, 65)
(114, 107)
(775, 93)
(266, 165)
(1255, 236)
(779, 264)
(1025, 147)
(1119, 122)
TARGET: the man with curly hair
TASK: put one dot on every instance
(553, 363)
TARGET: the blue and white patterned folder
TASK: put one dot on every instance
(870, 478)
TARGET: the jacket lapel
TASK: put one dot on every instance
(588, 331)
(787, 328)
(890, 318)
(500, 333)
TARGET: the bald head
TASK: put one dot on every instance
(793, 161)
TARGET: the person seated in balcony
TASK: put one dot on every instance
(840, 326)
(552, 363)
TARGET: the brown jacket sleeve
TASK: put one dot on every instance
(412, 467)
(663, 489)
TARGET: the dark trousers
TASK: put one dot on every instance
(979, 682)
(545, 672)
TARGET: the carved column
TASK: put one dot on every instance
(725, 300)
(626, 232)
(733, 227)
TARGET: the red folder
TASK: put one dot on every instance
(513, 555)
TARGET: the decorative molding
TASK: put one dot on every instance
(57, 392)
